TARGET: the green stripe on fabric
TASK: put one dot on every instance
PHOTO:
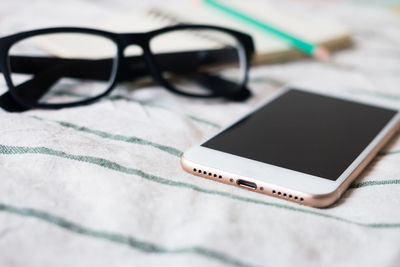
(144, 103)
(204, 121)
(117, 137)
(269, 80)
(132, 242)
(116, 167)
(384, 153)
(372, 183)
(374, 93)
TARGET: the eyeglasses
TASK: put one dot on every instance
(47, 68)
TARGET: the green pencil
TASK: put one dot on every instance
(311, 49)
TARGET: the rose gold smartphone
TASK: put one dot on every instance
(300, 146)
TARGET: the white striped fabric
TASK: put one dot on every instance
(101, 185)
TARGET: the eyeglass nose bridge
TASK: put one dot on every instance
(136, 45)
(136, 58)
(131, 39)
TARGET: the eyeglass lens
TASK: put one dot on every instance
(61, 68)
(206, 61)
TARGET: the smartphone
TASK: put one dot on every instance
(300, 146)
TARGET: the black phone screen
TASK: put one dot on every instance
(305, 132)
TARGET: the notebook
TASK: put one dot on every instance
(269, 48)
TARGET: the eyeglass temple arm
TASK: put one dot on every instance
(31, 90)
(132, 67)
(93, 69)
(48, 70)
(220, 86)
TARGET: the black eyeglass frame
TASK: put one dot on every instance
(122, 41)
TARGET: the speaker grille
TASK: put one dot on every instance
(206, 173)
(286, 195)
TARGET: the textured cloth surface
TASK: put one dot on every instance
(101, 185)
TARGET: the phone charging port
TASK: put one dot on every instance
(246, 184)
